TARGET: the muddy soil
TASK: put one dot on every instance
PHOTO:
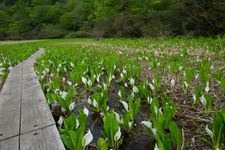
(2, 81)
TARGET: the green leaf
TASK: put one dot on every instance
(176, 135)
(70, 122)
(102, 145)
(111, 126)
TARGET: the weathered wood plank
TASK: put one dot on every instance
(26, 122)
(10, 100)
(10, 144)
(42, 139)
(33, 101)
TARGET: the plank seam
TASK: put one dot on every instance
(27, 132)
(21, 87)
(9, 137)
(37, 129)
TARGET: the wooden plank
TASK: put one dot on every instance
(35, 111)
(10, 100)
(10, 144)
(42, 139)
(26, 122)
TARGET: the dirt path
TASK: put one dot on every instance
(18, 42)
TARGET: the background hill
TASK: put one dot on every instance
(29, 19)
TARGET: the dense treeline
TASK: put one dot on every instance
(25, 19)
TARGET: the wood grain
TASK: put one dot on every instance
(26, 122)
(10, 100)
(10, 144)
(42, 139)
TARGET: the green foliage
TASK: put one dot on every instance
(112, 130)
(103, 18)
(161, 125)
(102, 145)
(130, 113)
(96, 71)
(73, 131)
(11, 55)
(217, 133)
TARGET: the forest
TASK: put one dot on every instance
(35, 19)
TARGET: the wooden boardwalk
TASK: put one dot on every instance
(26, 122)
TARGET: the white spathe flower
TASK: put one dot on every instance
(121, 75)
(44, 72)
(104, 86)
(56, 90)
(98, 77)
(209, 132)
(185, 84)
(71, 64)
(125, 84)
(135, 89)
(95, 103)
(180, 68)
(184, 73)
(132, 94)
(71, 106)
(60, 121)
(89, 83)
(148, 124)
(156, 110)
(69, 83)
(154, 130)
(111, 77)
(153, 81)
(86, 111)
(194, 98)
(152, 86)
(120, 94)
(203, 100)
(211, 67)
(117, 135)
(160, 110)
(77, 123)
(88, 137)
(90, 101)
(130, 124)
(46, 69)
(118, 119)
(149, 100)
(52, 74)
(124, 70)
(196, 76)
(63, 94)
(132, 81)
(65, 69)
(156, 147)
(172, 82)
(125, 105)
(207, 87)
(114, 67)
(84, 80)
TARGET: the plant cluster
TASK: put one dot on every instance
(118, 79)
